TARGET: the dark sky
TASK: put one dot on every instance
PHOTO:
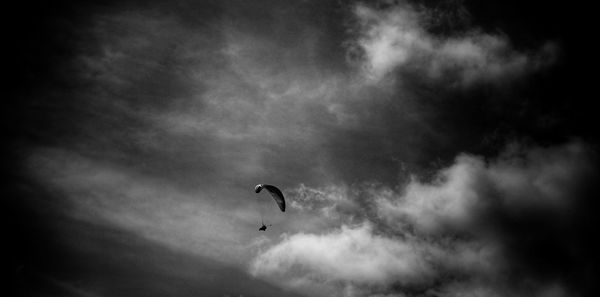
(425, 148)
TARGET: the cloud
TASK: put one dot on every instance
(469, 231)
(397, 38)
(179, 117)
(520, 179)
(352, 254)
(478, 289)
(358, 261)
(107, 194)
(328, 202)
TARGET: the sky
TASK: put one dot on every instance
(424, 148)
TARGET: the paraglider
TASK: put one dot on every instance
(275, 193)
(277, 196)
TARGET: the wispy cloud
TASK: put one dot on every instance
(519, 180)
(108, 194)
(458, 224)
(172, 114)
(396, 39)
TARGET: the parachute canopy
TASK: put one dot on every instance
(275, 193)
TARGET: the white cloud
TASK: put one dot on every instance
(538, 177)
(430, 237)
(450, 198)
(397, 38)
(358, 261)
(352, 254)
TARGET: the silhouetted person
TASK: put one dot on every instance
(263, 227)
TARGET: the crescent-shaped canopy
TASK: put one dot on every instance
(275, 193)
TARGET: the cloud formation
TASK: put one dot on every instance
(519, 180)
(397, 38)
(103, 193)
(351, 254)
(181, 108)
(453, 235)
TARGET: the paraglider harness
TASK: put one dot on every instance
(263, 227)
